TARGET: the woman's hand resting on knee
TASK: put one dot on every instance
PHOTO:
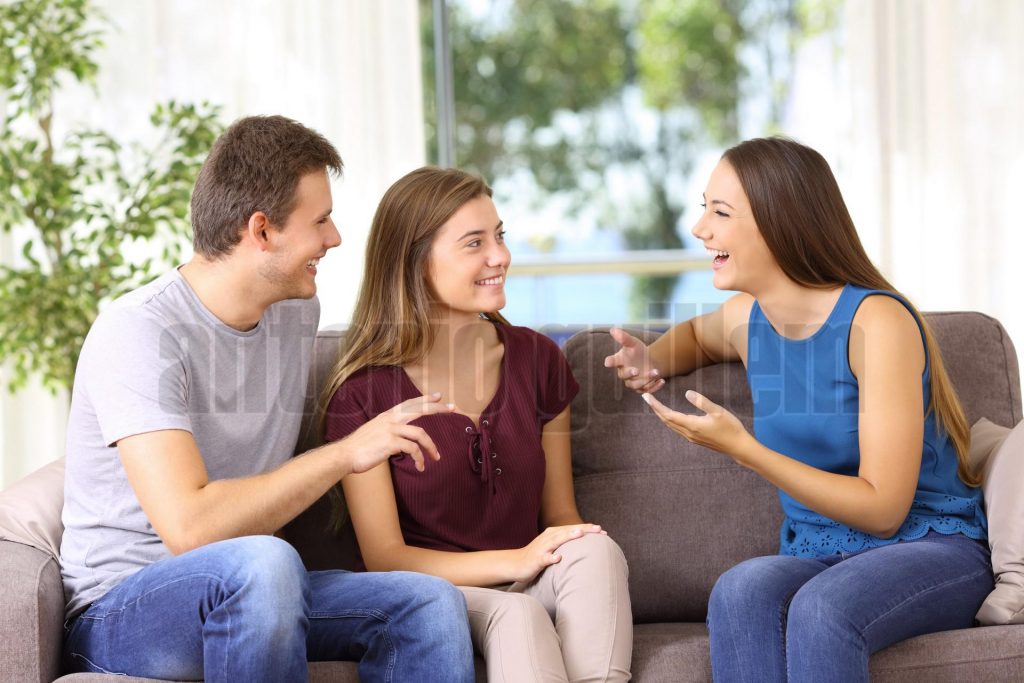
(541, 553)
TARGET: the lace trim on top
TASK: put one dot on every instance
(812, 540)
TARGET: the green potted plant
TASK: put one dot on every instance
(75, 206)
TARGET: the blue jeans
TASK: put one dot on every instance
(246, 609)
(784, 618)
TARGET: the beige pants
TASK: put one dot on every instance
(572, 623)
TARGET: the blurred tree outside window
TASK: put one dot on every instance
(589, 118)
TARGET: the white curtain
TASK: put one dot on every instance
(348, 68)
(936, 151)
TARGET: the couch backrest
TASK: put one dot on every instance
(684, 514)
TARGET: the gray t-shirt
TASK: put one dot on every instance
(158, 359)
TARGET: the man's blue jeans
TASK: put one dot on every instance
(247, 610)
(785, 618)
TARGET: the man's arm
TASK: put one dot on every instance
(187, 510)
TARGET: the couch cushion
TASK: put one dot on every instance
(986, 438)
(671, 652)
(1003, 483)
(991, 653)
(679, 653)
(30, 509)
(319, 672)
(982, 362)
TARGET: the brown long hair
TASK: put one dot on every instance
(801, 214)
(391, 324)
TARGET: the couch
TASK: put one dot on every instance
(682, 515)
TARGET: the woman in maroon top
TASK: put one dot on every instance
(547, 593)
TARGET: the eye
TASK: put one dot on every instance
(323, 221)
(722, 214)
(703, 205)
(473, 243)
(501, 235)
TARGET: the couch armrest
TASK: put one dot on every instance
(31, 614)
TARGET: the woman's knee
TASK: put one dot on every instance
(753, 584)
(812, 608)
(740, 578)
(593, 548)
(521, 609)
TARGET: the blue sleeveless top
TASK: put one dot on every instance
(806, 406)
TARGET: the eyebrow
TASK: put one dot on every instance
(479, 231)
(718, 201)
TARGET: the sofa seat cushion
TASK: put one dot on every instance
(680, 652)
(319, 672)
(989, 653)
(671, 652)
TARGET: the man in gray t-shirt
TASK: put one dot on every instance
(185, 411)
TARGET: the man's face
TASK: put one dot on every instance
(304, 239)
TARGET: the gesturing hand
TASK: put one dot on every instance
(632, 363)
(717, 429)
(541, 552)
(390, 433)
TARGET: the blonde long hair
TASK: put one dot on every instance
(391, 324)
(801, 214)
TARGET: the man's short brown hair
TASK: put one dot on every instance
(255, 165)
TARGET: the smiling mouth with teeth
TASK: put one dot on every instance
(498, 280)
(719, 257)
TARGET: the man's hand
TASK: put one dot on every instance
(632, 363)
(390, 433)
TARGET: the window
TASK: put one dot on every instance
(597, 124)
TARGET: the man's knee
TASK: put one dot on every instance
(266, 570)
(431, 593)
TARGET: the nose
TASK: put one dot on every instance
(499, 256)
(332, 238)
(700, 229)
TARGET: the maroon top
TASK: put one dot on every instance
(485, 492)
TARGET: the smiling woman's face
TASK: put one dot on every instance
(468, 260)
(742, 259)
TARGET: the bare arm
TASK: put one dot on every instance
(187, 510)
(558, 502)
(887, 357)
(714, 337)
(371, 502)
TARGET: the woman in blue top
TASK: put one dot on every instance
(855, 421)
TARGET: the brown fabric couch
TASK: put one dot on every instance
(682, 515)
